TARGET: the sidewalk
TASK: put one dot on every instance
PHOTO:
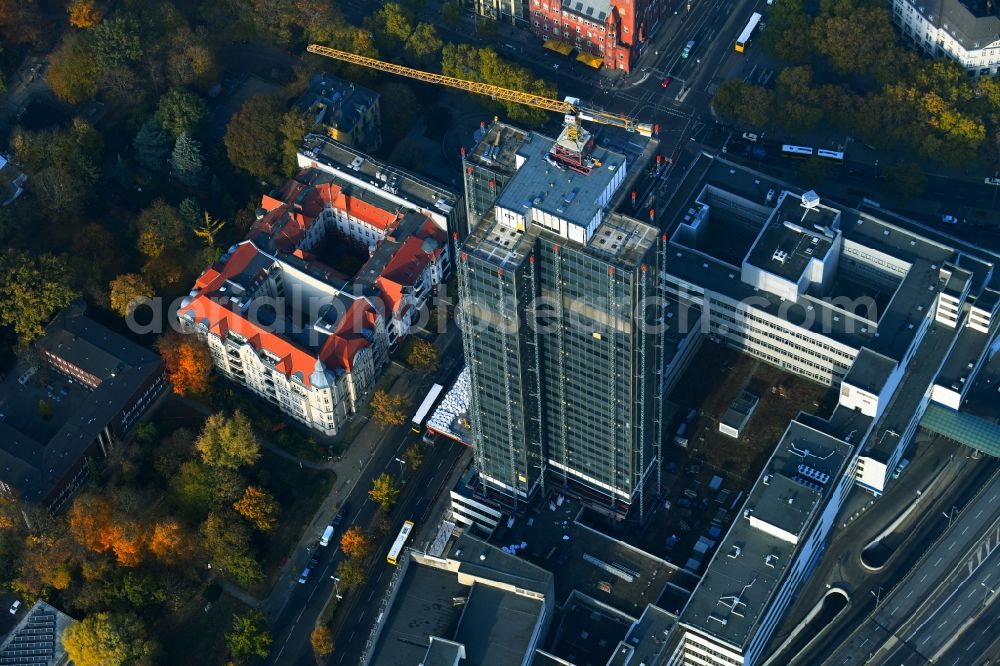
(349, 468)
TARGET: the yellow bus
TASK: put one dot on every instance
(399, 543)
(744, 38)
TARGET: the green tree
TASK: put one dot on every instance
(115, 42)
(73, 72)
(128, 291)
(151, 145)
(351, 574)
(226, 539)
(228, 442)
(191, 212)
(160, 229)
(392, 25)
(186, 160)
(484, 65)
(293, 129)
(414, 456)
(384, 491)
(249, 637)
(44, 410)
(32, 290)
(788, 33)
(422, 356)
(423, 45)
(181, 111)
(252, 141)
(108, 639)
(855, 43)
(388, 409)
(905, 180)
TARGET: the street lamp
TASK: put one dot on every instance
(950, 514)
(336, 587)
(877, 595)
(989, 591)
(402, 467)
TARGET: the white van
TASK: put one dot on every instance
(327, 534)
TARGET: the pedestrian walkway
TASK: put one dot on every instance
(350, 466)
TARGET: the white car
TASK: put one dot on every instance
(356, 163)
(14, 607)
(949, 219)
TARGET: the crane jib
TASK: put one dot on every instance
(491, 91)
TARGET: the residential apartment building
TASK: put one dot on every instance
(967, 31)
(347, 112)
(612, 33)
(400, 189)
(298, 333)
(561, 355)
(110, 382)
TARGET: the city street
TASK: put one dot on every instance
(297, 607)
(939, 597)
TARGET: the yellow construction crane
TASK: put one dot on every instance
(567, 107)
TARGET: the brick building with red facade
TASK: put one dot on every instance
(614, 32)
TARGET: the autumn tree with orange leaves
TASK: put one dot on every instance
(89, 516)
(259, 507)
(84, 13)
(356, 544)
(170, 541)
(188, 362)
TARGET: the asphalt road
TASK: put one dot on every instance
(293, 625)
(364, 606)
(937, 599)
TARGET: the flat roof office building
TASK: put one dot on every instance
(564, 374)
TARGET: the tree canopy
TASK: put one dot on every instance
(228, 441)
(465, 61)
(384, 491)
(32, 290)
(108, 639)
(188, 362)
(388, 409)
(249, 637)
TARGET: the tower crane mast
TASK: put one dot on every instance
(571, 109)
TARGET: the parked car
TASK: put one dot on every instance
(14, 607)
(339, 518)
(305, 575)
(666, 81)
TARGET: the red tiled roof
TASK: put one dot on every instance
(216, 274)
(408, 263)
(220, 320)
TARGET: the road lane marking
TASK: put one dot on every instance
(908, 594)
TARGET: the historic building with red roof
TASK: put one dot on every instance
(293, 330)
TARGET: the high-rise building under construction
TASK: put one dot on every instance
(562, 322)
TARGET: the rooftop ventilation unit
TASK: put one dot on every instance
(810, 199)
